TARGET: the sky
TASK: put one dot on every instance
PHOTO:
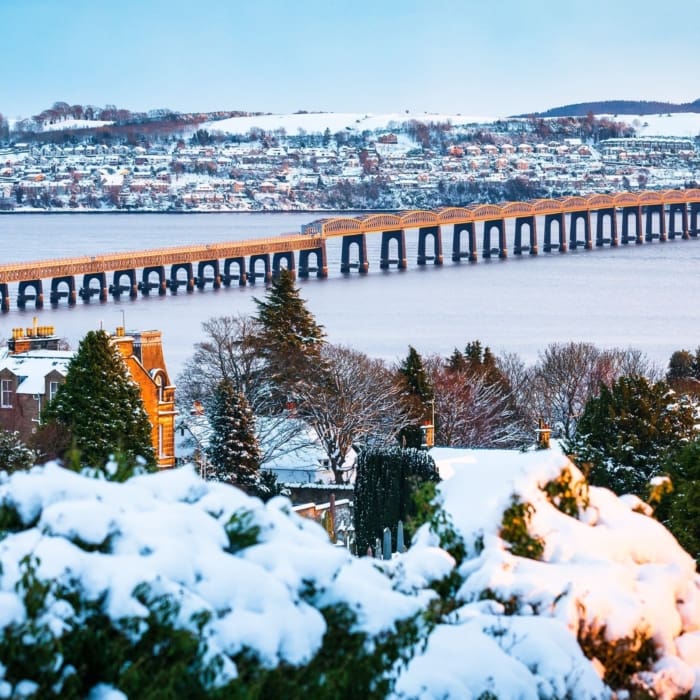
(482, 57)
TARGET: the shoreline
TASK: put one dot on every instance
(193, 211)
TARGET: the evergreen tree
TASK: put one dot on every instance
(290, 340)
(233, 449)
(101, 406)
(14, 454)
(457, 362)
(418, 393)
(387, 481)
(679, 510)
(627, 432)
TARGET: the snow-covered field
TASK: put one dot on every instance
(685, 124)
(610, 574)
(317, 123)
(680, 124)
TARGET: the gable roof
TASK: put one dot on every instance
(33, 366)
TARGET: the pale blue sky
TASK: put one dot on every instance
(491, 57)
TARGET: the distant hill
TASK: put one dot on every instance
(635, 107)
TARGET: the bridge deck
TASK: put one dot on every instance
(109, 262)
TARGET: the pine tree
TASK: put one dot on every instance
(290, 340)
(233, 449)
(14, 454)
(418, 394)
(627, 432)
(101, 406)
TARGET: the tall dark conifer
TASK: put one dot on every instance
(290, 340)
(418, 394)
(101, 407)
(233, 449)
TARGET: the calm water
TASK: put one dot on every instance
(640, 296)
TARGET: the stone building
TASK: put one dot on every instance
(33, 367)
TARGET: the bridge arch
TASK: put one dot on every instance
(117, 287)
(87, 291)
(289, 263)
(241, 277)
(176, 280)
(30, 290)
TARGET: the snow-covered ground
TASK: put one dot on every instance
(611, 573)
(680, 124)
(317, 123)
(76, 124)
(685, 124)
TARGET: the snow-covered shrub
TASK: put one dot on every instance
(166, 586)
(568, 493)
(515, 529)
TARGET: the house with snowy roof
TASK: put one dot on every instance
(33, 367)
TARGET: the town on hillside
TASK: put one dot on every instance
(59, 163)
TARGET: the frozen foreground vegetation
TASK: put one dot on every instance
(525, 584)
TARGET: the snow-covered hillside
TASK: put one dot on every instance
(317, 123)
(605, 579)
(684, 124)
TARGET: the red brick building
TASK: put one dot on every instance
(32, 369)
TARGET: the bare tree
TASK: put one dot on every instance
(353, 399)
(473, 411)
(229, 353)
(564, 378)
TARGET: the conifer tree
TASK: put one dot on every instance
(387, 482)
(418, 394)
(101, 406)
(233, 449)
(628, 430)
(290, 340)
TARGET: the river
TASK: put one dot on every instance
(632, 296)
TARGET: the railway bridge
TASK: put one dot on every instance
(568, 223)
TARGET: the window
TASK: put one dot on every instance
(53, 390)
(5, 393)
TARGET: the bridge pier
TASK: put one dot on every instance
(229, 277)
(56, 295)
(587, 242)
(321, 268)
(502, 250)
(673, 209)
(202, 278)
(531, 223)
(87, 292)
(599, 227)
(117, 287)
(694, 211)
(652, 209)
(175, 282)
(287, 256)
(457, 252)
(635, 211)
(266, 275)
(362, 265)
(549, 219)
(385, 262)
(146, 284)
(424, 233)
(4, 297)
(23, 296)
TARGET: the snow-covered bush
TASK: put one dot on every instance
(168, 586)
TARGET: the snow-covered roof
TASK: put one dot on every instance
(32, 367)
